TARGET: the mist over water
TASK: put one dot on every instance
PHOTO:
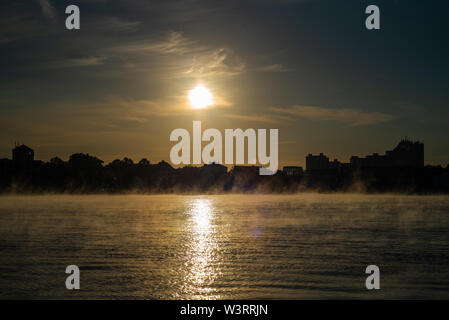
(224, 246)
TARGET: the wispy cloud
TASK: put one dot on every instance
(47, 9)
(72, 63)
(222, 62)
(186, 58)
(272, 68)
(173, 43)
(114, 24)
(262, 118)
(115, 110)
(351, 117)
(12, 23)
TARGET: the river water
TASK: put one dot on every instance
(305, 246)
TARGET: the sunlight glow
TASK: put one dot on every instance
(202, 214)
(200, 97)
(203, 251)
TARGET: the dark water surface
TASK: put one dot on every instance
(225, 246)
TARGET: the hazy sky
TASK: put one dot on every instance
(119, 86)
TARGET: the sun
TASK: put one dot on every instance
(200, 97)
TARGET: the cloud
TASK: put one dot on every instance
(47, 8)
(265, 119)
(351, 117)
(115, 110)
(272, 68)
(184, 57)
(114, 24)
(173, 43)
(72, 63)
(222, 62)
(13, 28)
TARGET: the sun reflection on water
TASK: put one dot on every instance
(202, 250)
(201, 213)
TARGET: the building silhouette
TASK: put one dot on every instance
(399, 170)
(406, 154)
(214, 169)
(249, 171)
(317, 163)
(23, 158)
(22, 154)
(292, 171)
